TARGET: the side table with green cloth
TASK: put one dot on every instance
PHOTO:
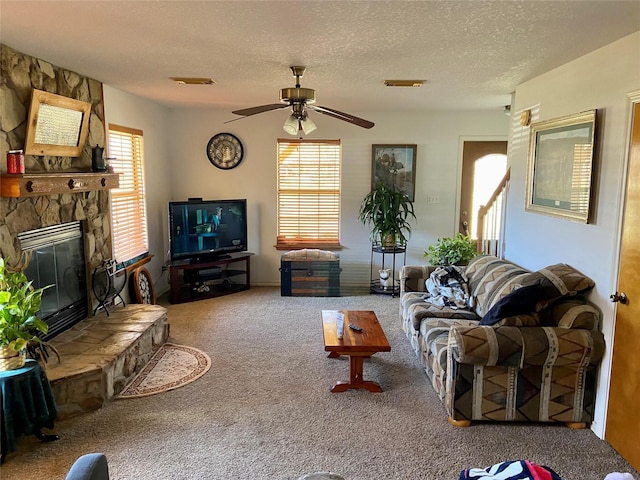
(26, 404)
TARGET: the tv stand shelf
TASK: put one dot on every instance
(195, 280)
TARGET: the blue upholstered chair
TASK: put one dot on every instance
(92, 466)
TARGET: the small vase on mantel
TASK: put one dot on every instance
(10, 359)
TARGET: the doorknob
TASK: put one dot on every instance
(618, 297)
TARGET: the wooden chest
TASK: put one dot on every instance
(310, 275)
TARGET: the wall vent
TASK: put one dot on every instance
(193, 81)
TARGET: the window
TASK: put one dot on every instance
(128, 211)
(488, 171)
(308, 194)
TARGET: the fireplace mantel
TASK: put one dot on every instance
(16, 185)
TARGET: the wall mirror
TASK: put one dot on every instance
(56, 125)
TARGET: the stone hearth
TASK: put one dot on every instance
(101, 354)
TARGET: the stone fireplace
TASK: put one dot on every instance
(55, 259)
(24, 211)
(59, 197)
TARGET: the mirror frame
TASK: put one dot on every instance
(40, 98)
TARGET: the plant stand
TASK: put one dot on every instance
(380, 261)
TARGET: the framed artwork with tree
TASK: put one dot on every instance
(395, 167)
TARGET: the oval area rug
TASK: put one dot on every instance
(172, 366)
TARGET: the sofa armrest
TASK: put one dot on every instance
(413, 278)
(572, 313)
(520, 346)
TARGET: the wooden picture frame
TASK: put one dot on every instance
(56, 125)
(560, 166)
(395, 167)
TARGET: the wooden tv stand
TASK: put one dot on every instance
(191, 281)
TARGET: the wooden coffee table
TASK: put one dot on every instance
(358, 345)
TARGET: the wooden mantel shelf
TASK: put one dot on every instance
(17, 185)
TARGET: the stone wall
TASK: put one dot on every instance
(19, 75)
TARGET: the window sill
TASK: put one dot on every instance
(138, 263)
(300, 246)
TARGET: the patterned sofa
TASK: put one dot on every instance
(539, 361)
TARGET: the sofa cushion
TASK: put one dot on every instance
(520, 301)
(418, 312)
(558, 281)
(490, 279)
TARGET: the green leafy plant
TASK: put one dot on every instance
(387, 211)
(19, 303)
(457, 250)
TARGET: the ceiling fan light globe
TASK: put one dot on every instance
(291, 125)
(307, 125)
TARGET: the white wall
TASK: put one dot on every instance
(600, 80)
(130, 111)
(437, 135)
(176, 168)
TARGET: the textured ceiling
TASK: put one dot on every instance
(472, 53)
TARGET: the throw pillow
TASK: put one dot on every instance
(520, 301)
(558, 281)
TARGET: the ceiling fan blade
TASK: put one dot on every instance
(361, 122)
(262, 108)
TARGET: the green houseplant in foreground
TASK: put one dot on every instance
(456, 250)
(387, 211)
(19, 325)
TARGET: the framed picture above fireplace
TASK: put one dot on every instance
(56, 125)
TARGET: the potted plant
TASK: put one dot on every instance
(19, 325)
(387, 211)
(457, 250)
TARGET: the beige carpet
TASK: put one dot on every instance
(264, 410)
(172, 366)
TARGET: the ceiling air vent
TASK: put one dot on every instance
(193, 81)
(404, 83)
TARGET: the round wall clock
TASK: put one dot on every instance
(225, 151)
(143, 286)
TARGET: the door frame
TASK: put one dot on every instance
(461, 140)
(605, 369)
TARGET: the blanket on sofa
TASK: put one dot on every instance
(447, 287)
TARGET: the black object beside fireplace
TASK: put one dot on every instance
(56, 257)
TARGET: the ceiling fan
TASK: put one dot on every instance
(300, 99)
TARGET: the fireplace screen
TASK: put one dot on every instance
(56, 257)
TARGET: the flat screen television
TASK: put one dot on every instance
(202, 230)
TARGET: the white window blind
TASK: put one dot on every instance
(308, 194)
(128, 210)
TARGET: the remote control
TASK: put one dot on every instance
(355, 327)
